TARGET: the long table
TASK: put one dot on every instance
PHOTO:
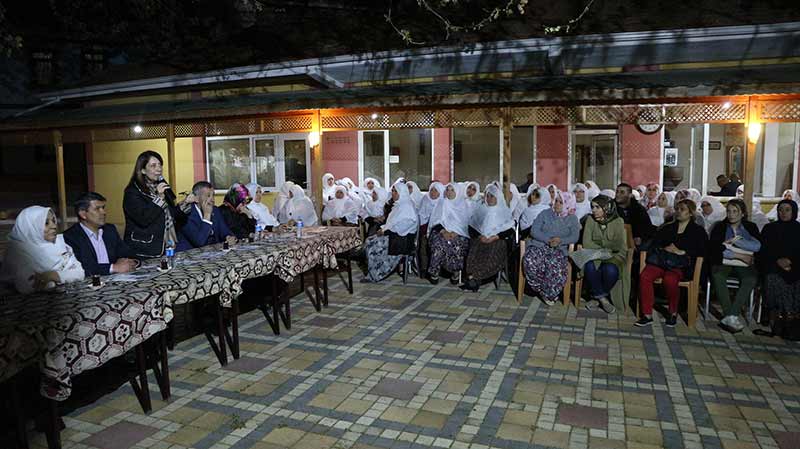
(74, 327)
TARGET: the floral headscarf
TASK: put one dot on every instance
(236, 195)
(608, 205)
(570, 205)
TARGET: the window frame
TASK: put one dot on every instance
(280, 157)
(386, 147)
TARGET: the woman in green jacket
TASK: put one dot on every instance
(608, 280)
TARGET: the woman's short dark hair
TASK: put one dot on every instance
(691, 205)
(137, 178)
(740, 204)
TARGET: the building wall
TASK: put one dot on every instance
(641, 156)
(340, 154)
(552, 155)
(441, 154)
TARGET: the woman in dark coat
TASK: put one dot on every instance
(237, 216)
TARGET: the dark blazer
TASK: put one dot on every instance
(636, 216)
(145, 222)
(197, 233)
(76, 238)
(694, 241)
(239, 224)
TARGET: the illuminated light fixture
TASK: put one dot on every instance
(374, 116)
(726, 105)
(137, 129)
(753, 132)
(313, 138)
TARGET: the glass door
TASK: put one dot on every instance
(375, 163)
(595, 158)
(265, 158)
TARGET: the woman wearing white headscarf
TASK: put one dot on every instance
(299, 207)
(373, 211)
(592, 189)
(341, 210)
(713, 211)
(552, 189)
(642, 189)
(611, 193)
(473, 192)
(663, 210)
(37, 257)
(279, 206)
(538, 199)
(790, 195)
(516, 203)
(426, 206)
(395, 238)
(449, 234)
(545, 262)
(328, 186)
(260, 211)
(583, 205)
(416, 193)
(650, 197)
(491, 228)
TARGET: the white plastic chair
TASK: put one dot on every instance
(731, 283)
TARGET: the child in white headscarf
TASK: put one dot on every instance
(473, 195)
(299, 207)
(341, 210)
(492, 224)
(650, 197)
(328, 186)
(260, 211)
(583, 205)
(429, 202)
(449, 234)
(395, 238)
(37, 257)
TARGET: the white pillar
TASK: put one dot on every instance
(769, 172)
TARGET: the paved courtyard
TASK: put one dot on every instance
(418, 366)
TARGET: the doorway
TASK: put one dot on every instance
(595, 156)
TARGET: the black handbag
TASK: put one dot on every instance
(667, 260)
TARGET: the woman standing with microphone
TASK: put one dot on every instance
(149, 208)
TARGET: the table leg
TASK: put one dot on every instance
(53, 431)
(19, 412)
(349, 278)
(235, 328)
(161, 366)
(315, 297)
(140, 388)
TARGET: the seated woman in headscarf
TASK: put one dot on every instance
(373, 210)
(663, 211)
(237, 216)
(592, 189)
(299, 208)
(416, 194)
(695, 196)
(583, 205)
(551, 189)
(473, 192)
(515, 203)
(279, 206)
(449, 234)
(538, 199)
(259, 210)
(651, 194)
(545, 259)
(672, 256)
(642, 190)
(611, 193)
(426, 206)
(790, 195)
(780, 261)
(607, 278)
(395, 238)
(328, 187)
(37, 257)
(491, 229)
(341, 210)
(352, 190)
(713, 212)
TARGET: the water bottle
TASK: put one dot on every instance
(259, 229)
(170, 253)
(299, 226)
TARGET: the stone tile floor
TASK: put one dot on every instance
(418, 366)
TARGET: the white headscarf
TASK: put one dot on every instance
(516, 204)
(402, 220)
(474, 198)
(428, 204)
(593, 190)
(637, 196)
(585, 206)
(453, 214)
(344, 207)
(29, 253)
(695, 196)
(758, 216)
(533, 210)
(553, 193)
(327, 191)
(657, 214)
(375, 208)
(718, 212)
(299, 207)
(609, 193)
(492, 220)
(740, 191)
(279, 206)
(646, 201)
(260, 211)
(352, 190)
(416, 193)
(773, 214)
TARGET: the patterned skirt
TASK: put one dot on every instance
(545, 270)
(379, 263)
(486, 259)
(447, 254)
(782, 297)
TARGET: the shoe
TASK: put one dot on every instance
(454, 279)
(671, 321)
(433, 279)
(643, 322)
(738, 325)
(471, 285)
(606, 305)
(549, 302)
(590, 306)
(365, 280)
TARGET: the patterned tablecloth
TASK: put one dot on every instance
(75, 328)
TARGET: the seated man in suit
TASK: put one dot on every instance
(204, 224)
(97, 245)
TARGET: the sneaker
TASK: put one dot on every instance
(591, 306)
(671, 321)
(549, 302)
(643, 322)
(606, 305)
(737, 324)
(727, 321)
(454, 279)
(433, 279)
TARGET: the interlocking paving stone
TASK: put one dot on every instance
(582, 416)
(588, 352)
(247, 365)
(120, 436)
(323, 321)
(445, 336)
(398, 389)
(753, 369)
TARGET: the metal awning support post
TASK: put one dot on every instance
(316, 161)
(506, 127)
(171, 156)
(58, 143)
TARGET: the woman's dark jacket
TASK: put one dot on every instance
(694, 241)
(145, 222)
(780, 240)
(240, 224)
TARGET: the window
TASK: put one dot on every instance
(43, 74)
(687, 142)
(522, 141)
(93, 61)
(390, 154)
(269, 160)
(476, 155)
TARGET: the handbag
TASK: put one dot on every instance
(667, 260)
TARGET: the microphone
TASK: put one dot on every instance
(169, 194)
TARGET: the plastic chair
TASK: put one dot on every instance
(629, 266)
(731, 283)
(692, 287)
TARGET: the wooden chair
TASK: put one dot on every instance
(629, 266)
(692, 287)
(521, 282)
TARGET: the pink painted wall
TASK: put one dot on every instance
(552, 155)
(641, 156)
(199, 158)
(340, 154)
(441, 155)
